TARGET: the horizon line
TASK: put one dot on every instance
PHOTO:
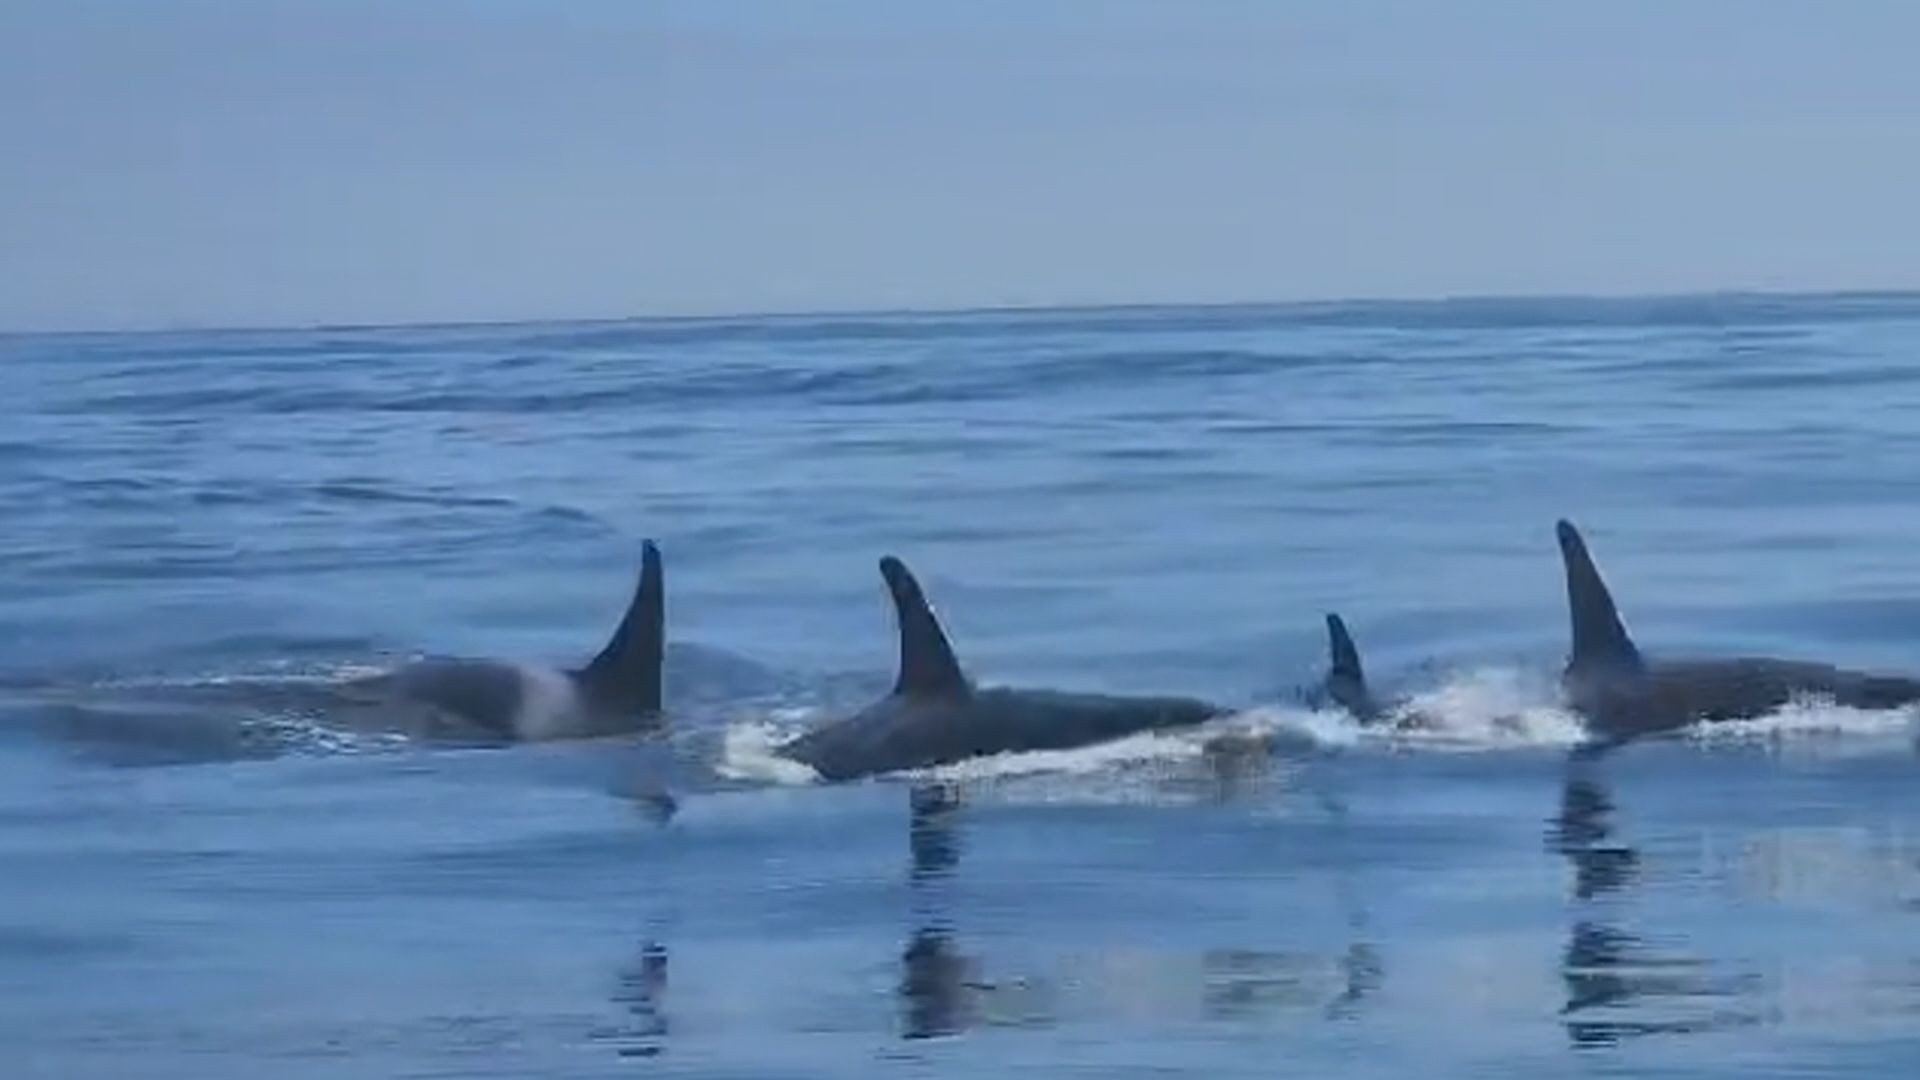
(987, 310)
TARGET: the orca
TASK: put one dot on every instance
(1622, 694)
(1345, 685)
(935, 715)
(484, 700)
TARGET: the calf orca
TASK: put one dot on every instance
(617, 692)
(935, 715)
(1623, 695)
(1346, 686)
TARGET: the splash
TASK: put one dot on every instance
(749, 750)
(1808, 719)
(1283, 730)
(297, 734)
(1485, 709)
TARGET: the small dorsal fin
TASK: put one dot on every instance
(1599, 638)
(627, 673)
(927, 664)
(1346, 683)
(1342, 654)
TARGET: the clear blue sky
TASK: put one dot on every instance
(282, 162)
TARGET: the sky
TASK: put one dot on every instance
(294, 162)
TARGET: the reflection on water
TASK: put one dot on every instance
(1363, 970)
(935, 978)
(642, 991)
(1619, 986)
(943, 990)
(1241, 984)
(937, 986)
(1582, 832)
(932, 839)
(640, 983)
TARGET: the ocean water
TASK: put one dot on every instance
(201, 877)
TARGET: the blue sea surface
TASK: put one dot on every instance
(200, 877)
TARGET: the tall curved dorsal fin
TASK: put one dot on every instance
(927, 664)
(1599, 638)
(627, 672)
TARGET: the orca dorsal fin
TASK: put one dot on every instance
(1346, 683)
(927, 664)
(1599, 638)
(627, 673)
(1343, 656)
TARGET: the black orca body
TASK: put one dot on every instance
(936, 716)
(1623, 695)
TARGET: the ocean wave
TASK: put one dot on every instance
(749, 751)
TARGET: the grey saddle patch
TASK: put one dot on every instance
(620, 690)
